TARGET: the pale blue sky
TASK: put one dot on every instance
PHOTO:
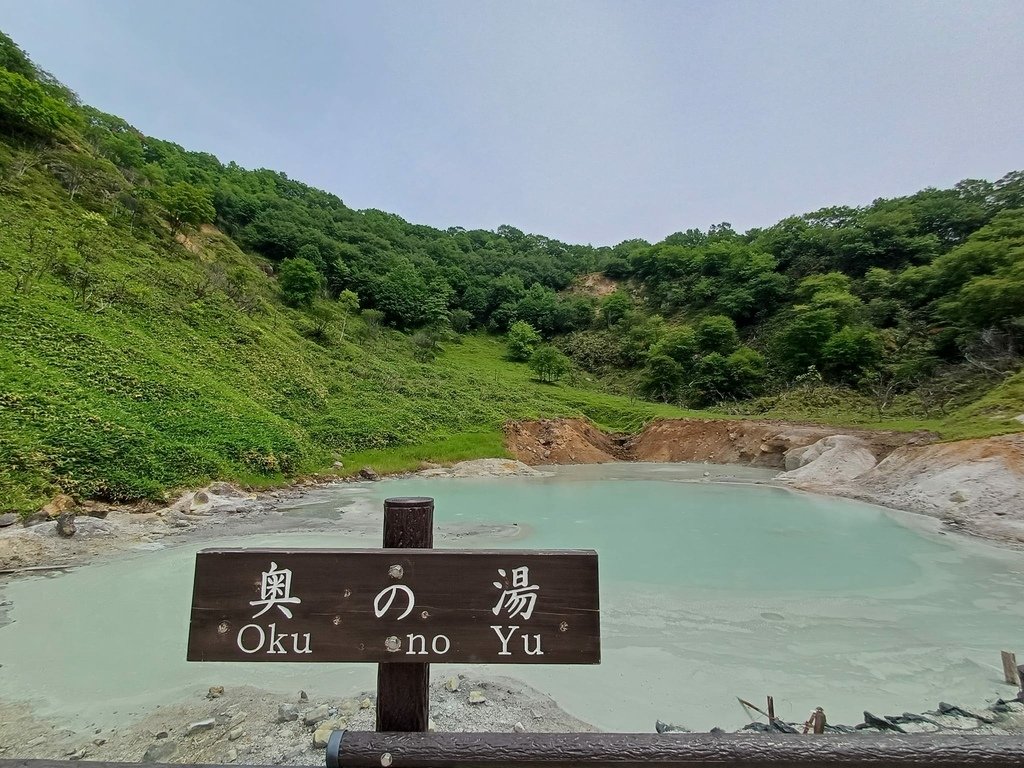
(585, 121)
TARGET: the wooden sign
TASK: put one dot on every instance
(396, 605)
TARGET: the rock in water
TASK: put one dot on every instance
(160, 751)
(954, 710)
(369, 473)
(66, 525)
(663, 727)
(882, 723)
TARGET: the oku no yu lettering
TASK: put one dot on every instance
(395, 605)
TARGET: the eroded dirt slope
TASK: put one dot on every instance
(721, 441)
(563, 441)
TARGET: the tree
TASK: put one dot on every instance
(798, 344)
(26, 107)
(680, 344)
(717, 333)
(747, 372)
(615, 307)
(188, 204)
(425, 344)
(548, 363)
(828, 282)
(300, 282)
(850, 352)
(662, 378)
(349, 303)
(312, 254)
(461, 320)
(521, 340)
(712, 380)
(401, 293)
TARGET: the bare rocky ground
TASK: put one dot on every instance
(220, 509)
(252, 727)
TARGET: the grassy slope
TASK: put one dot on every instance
(131, 363)
(152, 375)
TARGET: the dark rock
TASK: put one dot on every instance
(369, 473)
(66, 525)
(910, 717)
(757, 727)
(716, 731)
(662, 727)
(881, 723)
(829, 728)
(955, 711)
(782, 727)
(8, 518)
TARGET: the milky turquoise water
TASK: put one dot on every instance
(709, 590)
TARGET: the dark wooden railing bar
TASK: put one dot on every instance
(633, 750)
(629, 750)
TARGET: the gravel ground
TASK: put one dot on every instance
(248, 726)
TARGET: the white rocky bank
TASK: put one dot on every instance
(976, 485)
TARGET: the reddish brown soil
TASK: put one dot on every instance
(563, 441)
(721, 441)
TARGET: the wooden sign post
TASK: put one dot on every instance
(404, 607)
(403, 691)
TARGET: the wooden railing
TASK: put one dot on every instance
(356, 749)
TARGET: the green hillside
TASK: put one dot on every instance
(168, 318)
(131, 365)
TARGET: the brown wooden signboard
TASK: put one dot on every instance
(396, 605)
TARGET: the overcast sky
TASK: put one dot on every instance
(585, 121)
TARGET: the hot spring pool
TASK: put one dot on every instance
(709, 591)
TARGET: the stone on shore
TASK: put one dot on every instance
(200, 725)
(316, 715)
(287, 712)
(7, 519)
(60, 504)
(66, 525)
(160, 751)
(369, 473)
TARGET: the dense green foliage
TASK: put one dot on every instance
(885, 300)
(169, 318)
